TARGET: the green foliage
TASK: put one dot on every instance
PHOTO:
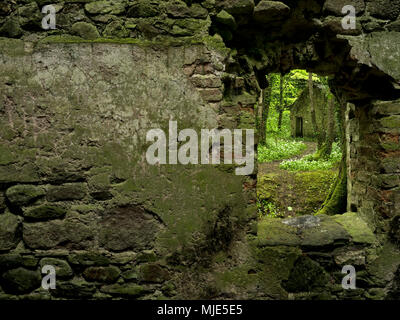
(293, 84)
(308, 162)
(266, 208)
(279, 144)
(278, 149)
(272, 125)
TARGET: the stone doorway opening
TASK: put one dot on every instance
(298, 166)
(299, 127)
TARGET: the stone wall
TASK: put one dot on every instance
(76, 191)
(373, 132)
(301, 108)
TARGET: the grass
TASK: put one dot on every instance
(279, 143)
(308, 164)
(279, 149)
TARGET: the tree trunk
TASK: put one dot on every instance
(326, 149)
(331, 126)
(280, 102)
(336, 202)
(312, 110)
(265, 103)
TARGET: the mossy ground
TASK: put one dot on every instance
(282, 193)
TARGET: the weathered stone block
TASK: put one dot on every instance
(177, 9)
(10, 261)
(197, 11)
(127, 228)
(69, 232)
(334, 25)
(297, 232)
(21, 195)
(143, 9)
(20, 280)
(356, 227)
(88, 259)
(385, 9)
(74, 289)
(306, 276)
(115, 29)
(391, 121)
(63, 269)
(14, 174)
(71, 191)
(127, 290)
(335, 6)
(30, 16)
(347, 255)
(11, 28)
(44, 212)
(269, 11)
(238, 7)
(391, 165)
(211, 95)
(103, 7)
(226, 19)
(102, 274)
(153, 273)
(206, 81)
(9, 231)
(85, 30)
(2, 202)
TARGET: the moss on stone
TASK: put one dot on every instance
(336, 202)
(12, 47)
(88, 259)
(102, 274)
(356, 227)
(225, 18)
(63, 270)
(85, 30)
(45, 212)
(20, 280)
(306, 276)
(115, 29)
(105, 7)
(21, 195)
(11, 28)
(298, 232)
(9, 231)
(127, 290)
